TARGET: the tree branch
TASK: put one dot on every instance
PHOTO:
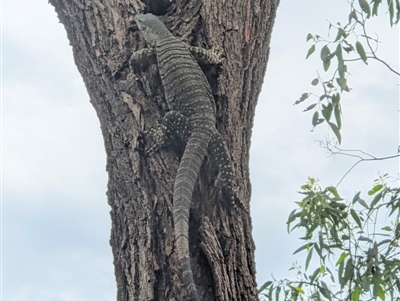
(334, 150)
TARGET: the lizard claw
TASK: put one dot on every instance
(218, 54)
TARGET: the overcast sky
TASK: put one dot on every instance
(55, 217)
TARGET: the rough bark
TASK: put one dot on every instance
(103, 35)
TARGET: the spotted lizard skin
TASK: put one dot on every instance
(192, 118)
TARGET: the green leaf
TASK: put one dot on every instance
(341, 258)
(341, 33)
(363, 203)
(310, 51)
(309, 37)
(381, 293)
(356, 197)
(366, 283)
(348, 49)
(327, 63)
(335, 99)
(376, 200)
(391, 12)
(325, 52)
(310, 107)
(299, 290)
(375, 189)
(387, 228)
(264, 286)
(385, 241)
(291, 217)
(356, 218)
(375, 283)
(277, 293)
(333, 190)
(375, 7)
(338, 116)
(335, 204)
(342, 68)
(336, 131)
(363, 238)
(303, 97)
(315, 274)
(327, 111)
(340, 274)
(325, 57)
(306, 246)
(324, 285)
(308, 259)
(398, 12)
(349, 271)
(330, 273)
(365, 7)
(325, 292)
(342, 82)
(315, 81)
(353, 15)
(361, 51)
(355, 295)
(270, 293)
(317, 248)
(315, 118)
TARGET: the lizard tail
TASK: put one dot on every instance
(186, 177)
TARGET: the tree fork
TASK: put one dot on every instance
(127, 101)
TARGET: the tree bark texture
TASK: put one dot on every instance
(129, 100)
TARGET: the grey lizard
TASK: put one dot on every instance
(192, 118)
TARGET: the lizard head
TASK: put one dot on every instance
(151, 27)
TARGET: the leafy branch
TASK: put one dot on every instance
(349, 40)
(363, 263)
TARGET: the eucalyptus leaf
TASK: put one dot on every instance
(303, 247)
(310, 51)
(315, 81)
(365, 7)
(336, 131)
(338, 116)
(315, 118)
(310, 107)
(361, 51)
(356, 218)
(308, 259)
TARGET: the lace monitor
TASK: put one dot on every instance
(192, 118)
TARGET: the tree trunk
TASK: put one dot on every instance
(127, 101)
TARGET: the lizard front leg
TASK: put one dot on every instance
(143, 55)
(211, 56)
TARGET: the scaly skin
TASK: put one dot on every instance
(192, 117)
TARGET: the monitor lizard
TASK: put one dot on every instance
(192, 118)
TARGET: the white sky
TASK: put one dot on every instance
(55, 217)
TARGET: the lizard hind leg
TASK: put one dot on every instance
(173, 124)
(219, 155)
